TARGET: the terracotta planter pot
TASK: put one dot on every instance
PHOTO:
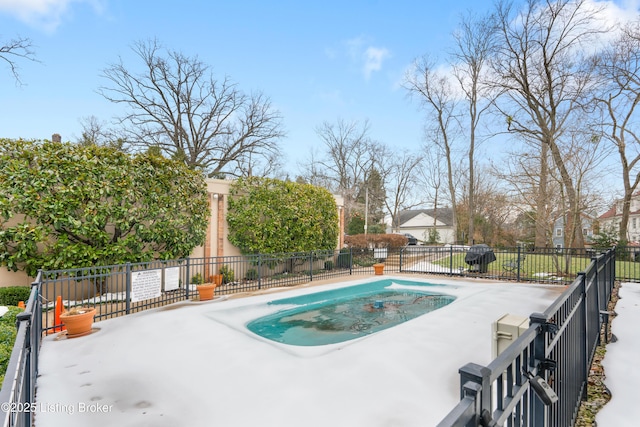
(206, 291)
(217, 279)
(78, 324)
(378, 268)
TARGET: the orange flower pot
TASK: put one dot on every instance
(78, 321)
(206, 291)
(217, 279)
(378, 268)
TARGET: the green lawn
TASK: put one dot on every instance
(542, 265)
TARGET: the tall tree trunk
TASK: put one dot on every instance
(573, 231)
(472, 140)
(542, 213)
(452, 191)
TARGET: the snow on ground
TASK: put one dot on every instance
(428, 267)
(621, 364)
(195, 364)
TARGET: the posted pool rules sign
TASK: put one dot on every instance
(146, 284)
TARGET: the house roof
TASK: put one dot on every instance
(609, 214)
(613, 212)
(444, 215)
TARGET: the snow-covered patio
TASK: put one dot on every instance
(195, 364)
(620, 363)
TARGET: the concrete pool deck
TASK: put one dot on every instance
(193, 364)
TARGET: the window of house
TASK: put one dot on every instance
(634, 222)
(558, 232)
(585, 231)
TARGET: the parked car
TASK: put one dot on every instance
(411, 240)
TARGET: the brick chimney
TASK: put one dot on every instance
(56, 137)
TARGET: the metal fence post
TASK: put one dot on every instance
(612, 270)
(311, 265)
(29, 380)
(518, 261)
(478, 374)
(187, 280)
(585, 364)
(538, 408)
(451, 260)
(36, 324)
(128, 288)
(259, 271)
(350, 260)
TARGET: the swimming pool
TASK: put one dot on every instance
(344, 314)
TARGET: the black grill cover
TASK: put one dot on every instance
(480, 254)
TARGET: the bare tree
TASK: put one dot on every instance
(14, 50)
(521, 171)
(97, 132)
(313, 172)
(619, 68)
(583, 155)
(178, 105)
(265, 165)
(429, 181)
(474, 45)
(437, 95)
(495, 208)
(542, 73)
(349, 156)
(401, 177)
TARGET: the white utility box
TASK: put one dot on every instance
(506, 330)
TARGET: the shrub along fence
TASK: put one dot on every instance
(123, 289)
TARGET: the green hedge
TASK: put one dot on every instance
(7, 337)
(13, 294)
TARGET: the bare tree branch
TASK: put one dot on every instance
(349, 157)
(542, 73)
(178, 105)
(436, 94)
(475, 44)
(16, 49)
(618, 67)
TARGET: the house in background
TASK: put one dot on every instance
(421, 222)
(588, 230)
(611, 219)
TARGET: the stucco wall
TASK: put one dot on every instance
(10, 278)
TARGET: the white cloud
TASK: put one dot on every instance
(619, 12)
(373, 59)
(366, 57)
(44, 14)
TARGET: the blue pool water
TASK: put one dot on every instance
(344, 314)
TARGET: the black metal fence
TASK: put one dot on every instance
(123, 289)
(19, 386)
(541, 378)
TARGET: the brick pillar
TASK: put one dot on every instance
(341, 227)
(207, 239)
(220, 223)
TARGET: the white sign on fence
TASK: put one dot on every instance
(146, 284)
(380, 253)
(171, 278)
